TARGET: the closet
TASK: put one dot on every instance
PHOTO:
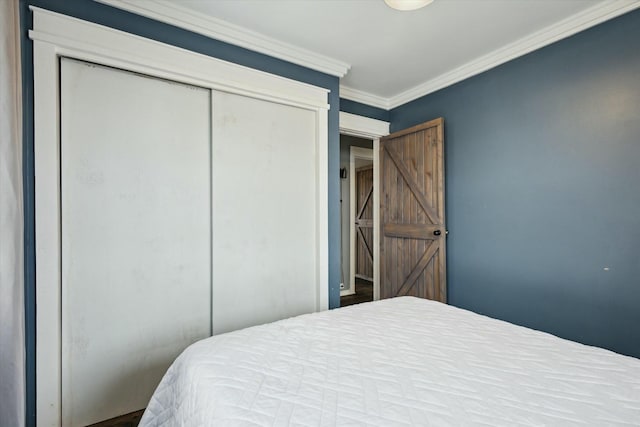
(177, 196)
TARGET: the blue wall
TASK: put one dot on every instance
(543, 186)
(354, 107)
(115, 18)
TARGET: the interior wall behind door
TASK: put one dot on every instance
(136, 234)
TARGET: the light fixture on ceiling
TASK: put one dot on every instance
(405, 5)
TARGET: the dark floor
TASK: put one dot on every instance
(129, 420)
(364, 293)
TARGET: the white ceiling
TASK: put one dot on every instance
(391, 56)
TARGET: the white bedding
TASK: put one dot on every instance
(396, 362)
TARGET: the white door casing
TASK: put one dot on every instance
(57, 36)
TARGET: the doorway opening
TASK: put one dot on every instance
(368, 130)
(356, 215)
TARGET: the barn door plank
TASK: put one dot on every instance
(412, 184)
(412, 213)
(364, 222)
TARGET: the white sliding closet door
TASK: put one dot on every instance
(265, 212)
(136, 234)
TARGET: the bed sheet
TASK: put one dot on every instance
(397, 362)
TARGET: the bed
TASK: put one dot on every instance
(396, 362)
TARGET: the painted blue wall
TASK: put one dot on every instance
(115, 18)
(543, 186)
(354, 107)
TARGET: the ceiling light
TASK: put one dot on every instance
(407, 4)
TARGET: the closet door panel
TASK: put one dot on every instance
(264, 212)
(136, 234)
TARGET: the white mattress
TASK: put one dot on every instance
(397, 362)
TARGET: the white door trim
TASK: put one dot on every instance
(364, 127)
(55, 35)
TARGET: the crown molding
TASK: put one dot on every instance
(567, 27)
(364, 97)
(588, 18)
(174, 14)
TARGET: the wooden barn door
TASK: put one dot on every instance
(364, 222)
(413, 238)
